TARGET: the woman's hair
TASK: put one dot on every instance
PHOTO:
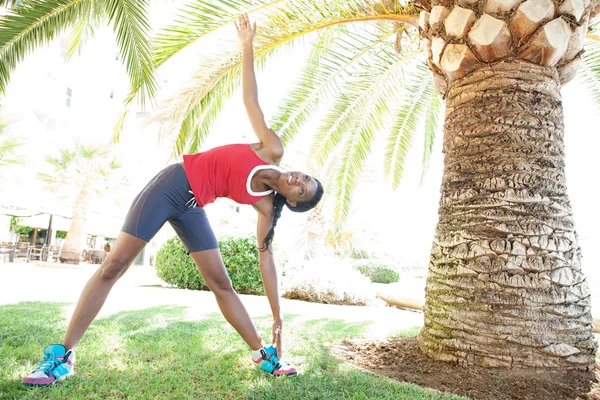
(301, 206)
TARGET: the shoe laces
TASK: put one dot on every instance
(274, 360)
(48, 363)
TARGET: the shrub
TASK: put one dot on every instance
(328, 281)
(379, 273)
(240, 256)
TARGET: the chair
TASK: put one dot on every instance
(21, 250)
(38, 253)
(7, 250)
(97, 256)
(52, 253)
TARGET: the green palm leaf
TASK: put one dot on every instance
(281, 26)
(192, 111)
(8, 145)
(362, 57)
(589, 71)
(24, 29)
(356, 117)
(193, 22)
(198, 19)
(412, 107)
(132, 28)
(329, 63)
(432, 118)
(303, 100)
(92, 15)
(38, 22)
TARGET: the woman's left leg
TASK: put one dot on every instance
(211, 267)
(199, 239)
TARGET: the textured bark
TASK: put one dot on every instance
(491, 38)
(544, 32)
(505, 286)
(75, 240)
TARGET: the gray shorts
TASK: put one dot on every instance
(168, 197)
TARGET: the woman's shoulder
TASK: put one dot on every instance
(266, 154)
(265, 205)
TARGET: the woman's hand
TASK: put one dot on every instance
(245, 31)
(277, 336)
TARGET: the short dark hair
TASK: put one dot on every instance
(301, 206)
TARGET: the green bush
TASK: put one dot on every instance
(240, 256)
(379, 273)
(19, 229)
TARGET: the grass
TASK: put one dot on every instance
(157, 353)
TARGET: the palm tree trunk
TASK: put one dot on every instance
(75, 240)
(505, 286)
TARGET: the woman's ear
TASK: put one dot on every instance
(291, 203)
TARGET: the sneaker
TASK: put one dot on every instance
(270, 363)
(56, 365)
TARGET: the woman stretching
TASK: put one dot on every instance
(246, 173)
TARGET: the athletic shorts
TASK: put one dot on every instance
(168, 197)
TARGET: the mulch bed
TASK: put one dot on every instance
(402, 360)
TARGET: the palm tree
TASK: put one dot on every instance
(505, 286)
(80, 174)
(8, 145)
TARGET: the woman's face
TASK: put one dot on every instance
(297, 187)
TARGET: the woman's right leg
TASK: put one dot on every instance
(152, 207)
(95, 292)
(163, 198)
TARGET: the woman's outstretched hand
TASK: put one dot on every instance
(245, 31)
(277, 336)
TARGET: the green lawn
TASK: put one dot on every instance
(157, 354)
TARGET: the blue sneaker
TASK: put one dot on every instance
(56, 365)
(271, 364)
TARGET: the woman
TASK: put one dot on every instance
(246, 173)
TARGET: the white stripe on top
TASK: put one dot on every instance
(255, 170)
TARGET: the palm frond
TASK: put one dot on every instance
(281, 26)
(363, 56)
(48, 179)
(413, 105)
(589, 71)
(303, 100)
(24, 29)
(132, 29)
(89, 152)
(356, 117)
(196, 20)
(432, 118)
(91, 16)
(8, 146)
(328, 64)
(15, 3)
(193, 22)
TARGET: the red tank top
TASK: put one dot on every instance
(223, 172)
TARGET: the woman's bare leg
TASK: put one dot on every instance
(213, 271)
(95, 292)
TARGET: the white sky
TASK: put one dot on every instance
(402, 221)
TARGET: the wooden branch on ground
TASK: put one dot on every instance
(401, 302)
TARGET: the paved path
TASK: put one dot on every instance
(139, 288)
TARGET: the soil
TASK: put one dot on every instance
(402, 360)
